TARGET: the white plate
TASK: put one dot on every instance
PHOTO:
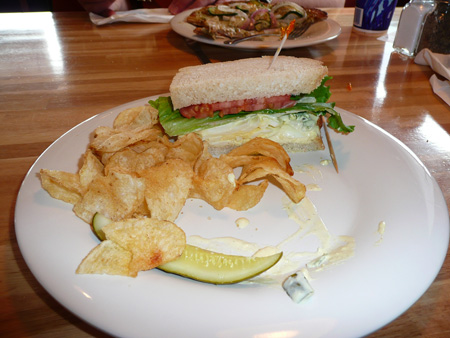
(320, 32)
(379, 180)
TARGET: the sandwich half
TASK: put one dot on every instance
(229, 103)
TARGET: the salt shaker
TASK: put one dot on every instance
(436, 29)
(410, 25)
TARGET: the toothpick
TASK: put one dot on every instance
(286, 33)
(330, 145)
(278, 50)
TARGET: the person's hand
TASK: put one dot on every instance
(100, 7)
(177, 6)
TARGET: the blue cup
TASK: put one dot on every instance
(373, 16)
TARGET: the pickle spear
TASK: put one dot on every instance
(216, 268)
(204, 265)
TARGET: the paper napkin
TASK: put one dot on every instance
(440, 63)
(143, 15)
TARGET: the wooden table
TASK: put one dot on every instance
(57, 70)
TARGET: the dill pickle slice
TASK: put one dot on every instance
(98, 222)
(216, 268)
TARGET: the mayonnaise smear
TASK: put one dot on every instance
(327, 250)
(380, 231)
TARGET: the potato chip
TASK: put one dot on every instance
(144, 116)
(236, 161)
(266, 147)
(247, 196)
(105, 156)
(106, 258)
(214, 182)
(91, 168)
(167, 187)
(62, 185)
(130, 161)
(116, 196)
(187, 147)
(110, 140)
(270, 167)
(152, 242)
(204, 156)
(157, 146)
(124, 159)
(141, 210)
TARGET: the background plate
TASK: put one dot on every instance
(379, 180)
(317, 33)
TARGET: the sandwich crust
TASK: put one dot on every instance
(245, 79)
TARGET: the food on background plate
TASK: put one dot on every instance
(238, 19)
(229, 103)
(134, 181)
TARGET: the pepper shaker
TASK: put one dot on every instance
(410, 25)
(436, 29)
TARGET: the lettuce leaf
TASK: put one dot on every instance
(322, 93)
(315, 103)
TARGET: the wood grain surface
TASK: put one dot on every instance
(58, 69)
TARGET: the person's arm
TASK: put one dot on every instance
(178, 6)
(104, 7)
(108, 7)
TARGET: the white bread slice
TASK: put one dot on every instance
(245, 79)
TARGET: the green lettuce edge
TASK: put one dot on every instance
(175, 124)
